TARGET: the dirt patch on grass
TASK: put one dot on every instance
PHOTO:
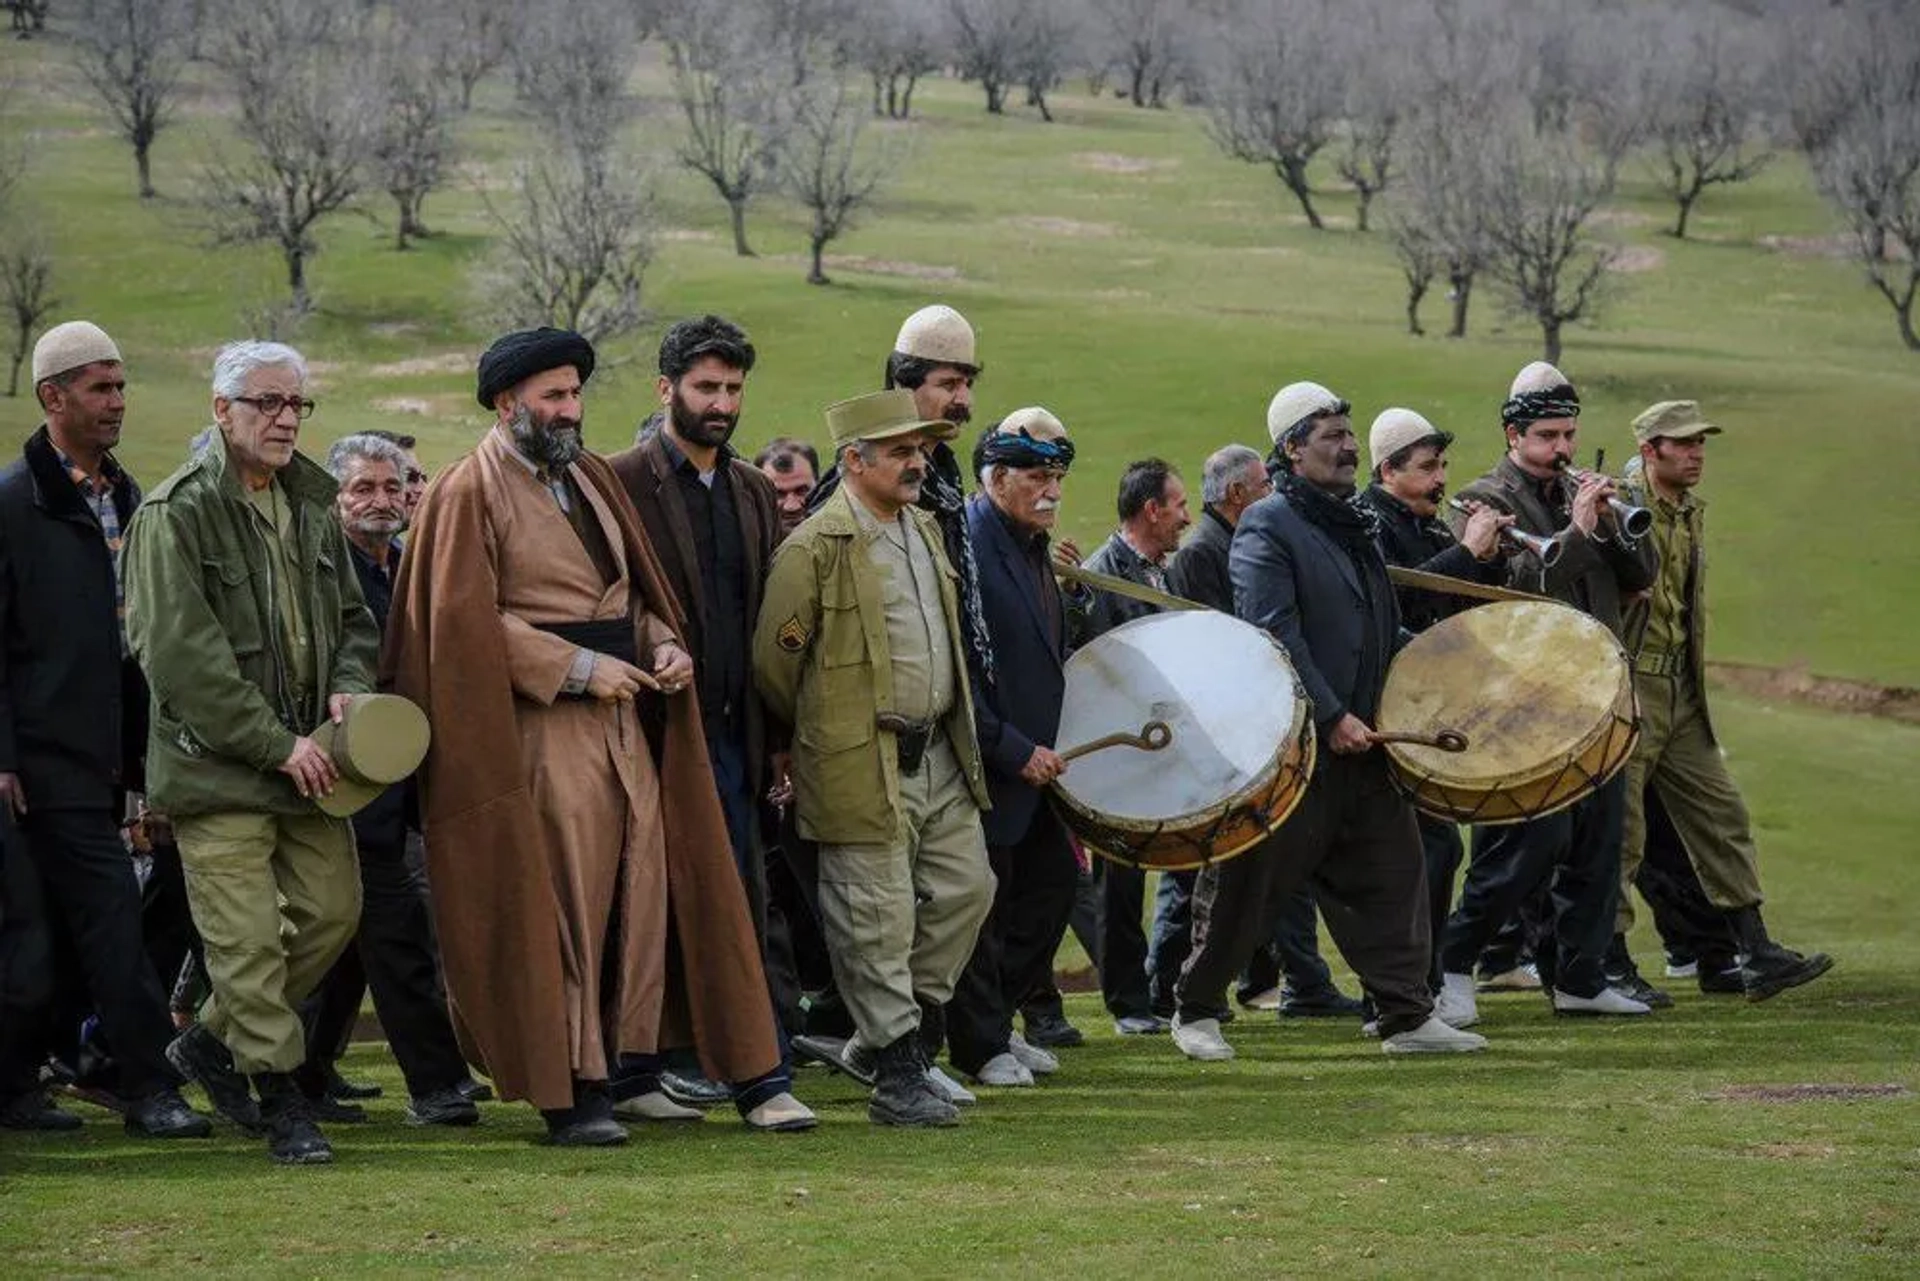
(1811, 246)
(1792, 1151)
(1810, 1092)
(1471, 1144)
(1062, 226)
(1621, 218)
(1638, 258)
(447, 362)
(1829, 693)
(404, 405)
(1114, 162)
(892, 267)
(686, 233)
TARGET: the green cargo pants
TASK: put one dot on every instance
(276, 899)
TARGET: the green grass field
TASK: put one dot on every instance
(1153, 294)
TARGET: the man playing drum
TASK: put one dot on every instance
(1409, 456)
(1579, 846)
(1305, 568)
(1678, 752)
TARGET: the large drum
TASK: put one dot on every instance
(1240, 754)
(1544, 695)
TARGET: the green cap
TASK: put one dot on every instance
(1672, 420)
(881, 414)
(381, 740)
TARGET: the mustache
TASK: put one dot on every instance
(912, 476)
(1435, 494)
(1045, 505)
(960, 415)
(1349, 458)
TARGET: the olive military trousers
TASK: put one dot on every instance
(276, 898)
(901, 918)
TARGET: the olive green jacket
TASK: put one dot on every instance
(1640, 608)
(821, 661)
(203, 621)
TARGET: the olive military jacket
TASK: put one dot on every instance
(1640, 609)
(203, 621)
(820, 658)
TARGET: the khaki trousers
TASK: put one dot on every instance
(901, 918)
(276, 899)
(1679, 757)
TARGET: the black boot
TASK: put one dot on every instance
(292, 1137)
(1623, 976)
(902, 1095)
(589, 1122)
(1770, 969)
(198, 1055)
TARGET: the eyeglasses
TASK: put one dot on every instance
(272, 403)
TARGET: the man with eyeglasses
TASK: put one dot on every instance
(245, 613)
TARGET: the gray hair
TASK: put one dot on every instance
(349, 450)
(239, 359)
(1224, 466)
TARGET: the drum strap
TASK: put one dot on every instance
(1456, 586)
(1125, 587)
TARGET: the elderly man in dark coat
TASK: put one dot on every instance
(583, 915)
(1305, 568)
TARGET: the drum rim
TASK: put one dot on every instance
(1421, 791)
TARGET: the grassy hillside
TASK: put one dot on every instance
(1120, 271)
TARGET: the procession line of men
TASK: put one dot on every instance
(702, 720)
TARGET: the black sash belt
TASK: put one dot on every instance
(610, 636)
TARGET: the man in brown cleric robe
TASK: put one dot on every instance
(582, 915)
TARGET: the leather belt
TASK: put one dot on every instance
(1671, 663)
(911, 738)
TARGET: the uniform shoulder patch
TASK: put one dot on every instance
(793, 635)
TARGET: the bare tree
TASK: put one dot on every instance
(467, 39)
(308, 106)
(29, 17)
(1541, 190)
(834, 165)
(1273, 97)
(413, 144)
(986, 34)
(895, 42)
(1704, 105)
(1048, 37)
(1145, 40)
(133, 53)
(575, 242)
(570, 66)
(736, 93)
(26, 291)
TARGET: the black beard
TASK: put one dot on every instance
(553, 444)
(958, 415)
(709, 431)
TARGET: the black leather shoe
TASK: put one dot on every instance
(1632, 986)
(165, 1115)
(1774, 970)
(599, 1132)
(1331, 1004)
(198, 1055)
(443, 1107)
(902, 1095)
(1722, 979)
(692, 1090)
(475, 1091)
(292, 1137)
(1054, 1032)
(34, 1111)
(824, 1050)
(334, 1112)
(338, 1087)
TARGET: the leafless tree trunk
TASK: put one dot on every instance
(413, 145)
(1704, 109)
(1047, 41)
(26, 291)
(570, 67)
(895, 42)
(1144, 39)
(833, 166)
(132, 54)
(1272, 95)
(736, 93)
(986, 33)
(309, 100)
(1542, 188)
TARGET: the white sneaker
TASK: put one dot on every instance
(957, 1094)
(1433, 1037)
(1608, 1002)
(1036, 1060)
(1521, 978)
(655, 1106)
(1201, 1040)
(1267, 1000)
(1454, 1004)
(781, 1114)
(1688, 970)
(1005, 1071)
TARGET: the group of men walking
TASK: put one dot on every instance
(660, 773)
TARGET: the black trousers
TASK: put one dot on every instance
(397, 956)
(1123, 938)
(1576, 853)
(1688, 922)
(1353, 838)
(1293, 955)
(90, 896)
(1083, 918)
(26, 966)
(1013, 957)
(1440, 839)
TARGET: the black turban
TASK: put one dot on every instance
(1526, 408)
(520, 355)
(1019, 450)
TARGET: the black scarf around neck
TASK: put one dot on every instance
(1348, 521)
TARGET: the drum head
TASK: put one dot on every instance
(1530, 683)
(1225, 689)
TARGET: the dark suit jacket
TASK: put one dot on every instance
(1592, 576)
(646, 474)
(1198, 571)
(1299, 584)
(73, 709)
(1427, 544)
(1022, 706)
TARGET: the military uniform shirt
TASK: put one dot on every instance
(1673, 540)
(275, 513)
(916, 626)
